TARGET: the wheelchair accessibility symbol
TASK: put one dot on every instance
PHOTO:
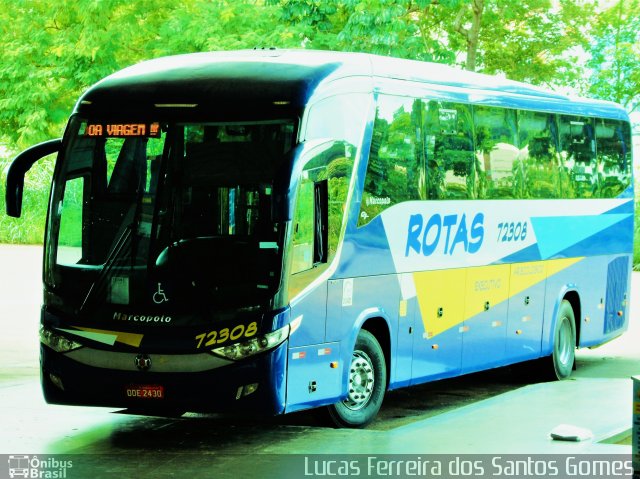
(159, 296)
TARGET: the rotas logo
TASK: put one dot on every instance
(448, 234)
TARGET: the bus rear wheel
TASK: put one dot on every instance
(367, 384)
(559, 365)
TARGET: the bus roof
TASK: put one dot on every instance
(281, 82)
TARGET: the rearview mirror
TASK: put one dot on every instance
(19, 167)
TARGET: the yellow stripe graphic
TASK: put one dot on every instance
(440, 298)
(130, 339)
(486, 286)
(447, 298)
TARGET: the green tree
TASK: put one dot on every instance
(400, 28)
(471, 30)
(52, 51)
(615, 55)
(529, 40)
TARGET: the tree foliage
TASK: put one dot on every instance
(615, 55)
(52, 51)
(532, 41)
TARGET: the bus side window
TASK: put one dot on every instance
(303, 228)
(542, 173)
(613, 153)
(497, 155)
(451, 169)
(579, 157)
(319, 212)
(70, 238)
(394, 173)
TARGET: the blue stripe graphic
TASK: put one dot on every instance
(558, 233)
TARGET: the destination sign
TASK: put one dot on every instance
(120, 130)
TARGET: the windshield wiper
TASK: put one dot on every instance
(120, 245)
(125, 242)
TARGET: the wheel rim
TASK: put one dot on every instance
(361, 381)
(565, 340)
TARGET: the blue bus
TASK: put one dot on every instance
(279, 230)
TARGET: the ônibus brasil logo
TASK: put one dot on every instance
(34, 467)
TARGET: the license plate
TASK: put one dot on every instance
(581, 178)
(145, 392)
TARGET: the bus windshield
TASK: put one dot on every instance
(151, 213)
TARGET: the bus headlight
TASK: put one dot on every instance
(58, 343)
(253, 346)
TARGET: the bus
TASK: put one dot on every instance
(277, 230)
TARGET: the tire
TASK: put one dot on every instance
(562, 359)
(367, 385)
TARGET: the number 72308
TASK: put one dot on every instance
(220, 336)
(512, 231)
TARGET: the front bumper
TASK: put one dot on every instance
(224, 388)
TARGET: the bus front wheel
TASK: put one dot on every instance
(367, 384)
